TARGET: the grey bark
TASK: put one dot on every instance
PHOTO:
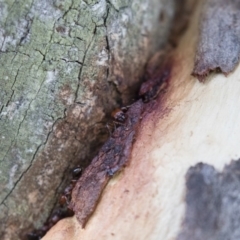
(64, 66)
(219, 42)
(212, 203)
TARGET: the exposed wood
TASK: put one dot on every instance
(191, 122)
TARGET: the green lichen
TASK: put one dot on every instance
(63, 63)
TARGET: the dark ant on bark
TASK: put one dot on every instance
(63, 200)
(118, 118)
(76, 173)
(33, 236)
(62, 212)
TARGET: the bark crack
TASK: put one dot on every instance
(109, 3)
(18, 130)
(31, 162)
(81, 68)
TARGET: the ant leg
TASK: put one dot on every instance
(124, 109)
(117, 124)
(109, 129)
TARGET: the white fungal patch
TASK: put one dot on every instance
(70, 67)
(102, 58)
(30, 150)
(39, 180)
(12, 173)
(45, 10)
(13, 109)
(9, 40)
(100, 8)
(70, 99)
(51, 77)
(3, 12)
(125, 18)
(76, 111)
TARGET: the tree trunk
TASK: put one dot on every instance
(181, 181)
(65, 65)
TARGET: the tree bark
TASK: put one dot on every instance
(181, 182)
(64, 66)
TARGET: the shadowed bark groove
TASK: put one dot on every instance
(64, 66)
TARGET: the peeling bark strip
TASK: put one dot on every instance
(213, 203)
(112, 157)
(219, 44)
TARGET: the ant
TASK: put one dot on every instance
(65, 198)
(118, 117)
(62, 211)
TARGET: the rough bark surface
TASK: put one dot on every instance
(219, 42)
(191, 122)
(213, 200)
(64, 66)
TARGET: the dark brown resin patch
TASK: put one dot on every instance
(219, 41)
(157, 80)
(112, 157)
(212, 203)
